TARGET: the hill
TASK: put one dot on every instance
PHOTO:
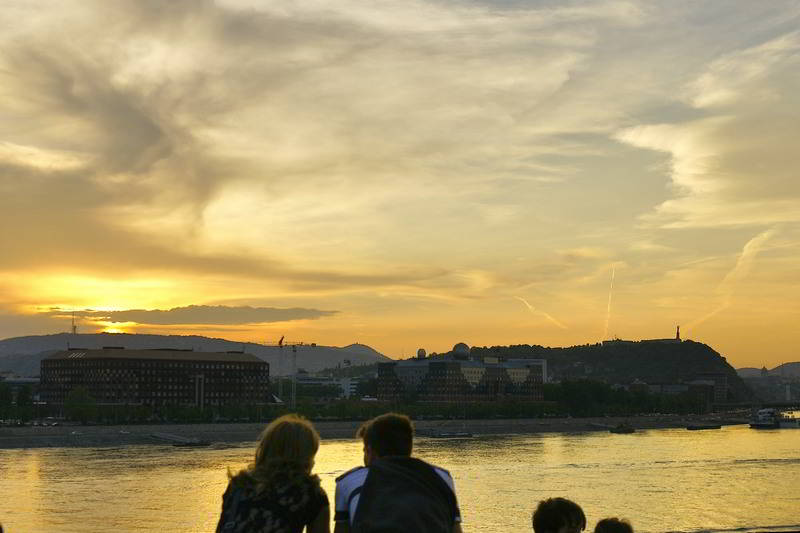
(651, 362)
(22, 355)
(787, 370)
(363, 349)
(749, 372)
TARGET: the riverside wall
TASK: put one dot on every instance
(126, 435)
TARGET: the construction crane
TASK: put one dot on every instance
(294, 345)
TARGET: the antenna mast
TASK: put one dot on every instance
(74, 327)
(293, 403)
(294, 376)
(280, 368)
(280, 374)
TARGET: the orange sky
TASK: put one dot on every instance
(404, 174)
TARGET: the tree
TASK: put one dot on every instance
(367, 387)
(25, 396)
(5, 400)
(79, 405)
(25, 403)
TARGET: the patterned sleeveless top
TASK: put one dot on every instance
(284, 508)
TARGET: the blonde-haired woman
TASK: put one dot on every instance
(278, 493)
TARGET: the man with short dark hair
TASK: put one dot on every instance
(558, 515)
(388, 434)
(394, 491)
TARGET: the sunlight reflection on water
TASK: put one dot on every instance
(662, 480)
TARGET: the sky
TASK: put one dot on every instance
(404, 174)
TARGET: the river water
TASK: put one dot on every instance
(662, 480)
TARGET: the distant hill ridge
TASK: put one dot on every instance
(785, 370)
(748, 372)
(22, 355)
(363, 349)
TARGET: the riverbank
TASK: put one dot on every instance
(125, 435)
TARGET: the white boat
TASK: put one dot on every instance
(765, 419)
(770, 418)
(786, 421)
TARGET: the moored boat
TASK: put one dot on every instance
(191, 443)
(765, 419)
(697, 427)
(622, 428)
(788, 421)
(451, 435)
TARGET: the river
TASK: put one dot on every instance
(735, 478)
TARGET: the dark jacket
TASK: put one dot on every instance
(403, 494)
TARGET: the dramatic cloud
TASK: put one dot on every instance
(198, 314)
(736, 165)
(135, 143)
(415, 165)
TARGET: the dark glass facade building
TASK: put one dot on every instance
(117, 376)
(459, 379)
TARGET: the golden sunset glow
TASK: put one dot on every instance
(114, 330)
(405, 175)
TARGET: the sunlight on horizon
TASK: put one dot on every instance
(404, 174)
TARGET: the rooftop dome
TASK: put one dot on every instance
(461, 349)
(421, 353)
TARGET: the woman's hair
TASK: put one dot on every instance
(285, 452)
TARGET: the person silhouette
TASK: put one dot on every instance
(278, 493)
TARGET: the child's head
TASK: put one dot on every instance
(613, 525)
(558, 515)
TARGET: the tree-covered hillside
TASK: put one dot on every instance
(623, 362)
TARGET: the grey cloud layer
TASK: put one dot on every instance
(200, 314)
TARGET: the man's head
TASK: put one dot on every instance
(388, 434)
(558, 515)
